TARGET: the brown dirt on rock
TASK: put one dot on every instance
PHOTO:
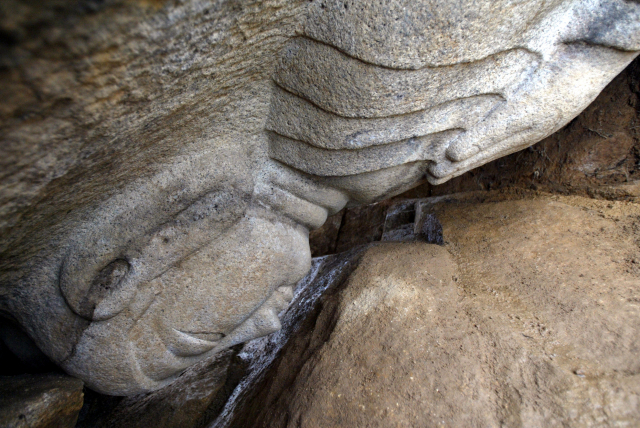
(528, 316)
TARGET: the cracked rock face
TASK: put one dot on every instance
(164, 163)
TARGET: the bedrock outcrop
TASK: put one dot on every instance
(528, 315)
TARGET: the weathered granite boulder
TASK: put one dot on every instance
(163, 163)
(40, 401)
(527, 316)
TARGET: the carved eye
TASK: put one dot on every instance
(106, 290)
(109, 278)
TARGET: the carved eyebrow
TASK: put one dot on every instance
(328, 163)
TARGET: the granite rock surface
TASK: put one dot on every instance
(163, 162)
(527, 316)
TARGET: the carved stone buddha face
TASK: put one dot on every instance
(167, 271)
(128, 285)
(226, 292)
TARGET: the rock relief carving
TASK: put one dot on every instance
(368, 100)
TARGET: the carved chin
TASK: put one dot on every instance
(136, 366)
(263, 321)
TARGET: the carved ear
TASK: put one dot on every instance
(108, 293)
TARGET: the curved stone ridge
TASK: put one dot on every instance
(348, 87)
(325, 162)
(435, 33)
(294, 117)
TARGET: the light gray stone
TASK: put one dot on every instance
(348, 87)
(164, 163)
(551, 61)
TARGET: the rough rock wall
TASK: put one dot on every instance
(141, 204)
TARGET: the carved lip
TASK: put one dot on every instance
(185, 344)
(264, 320)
